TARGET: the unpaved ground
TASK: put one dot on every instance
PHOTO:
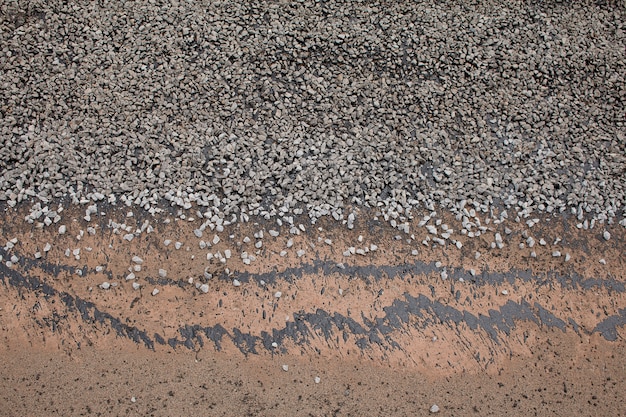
(384, 331)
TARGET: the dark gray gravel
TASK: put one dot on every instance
(263, 107)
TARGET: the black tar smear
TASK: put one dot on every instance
(366, 273)
(418, 312)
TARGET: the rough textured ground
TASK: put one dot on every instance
(384, 331)
(205, 205)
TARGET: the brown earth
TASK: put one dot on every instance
(385, 333)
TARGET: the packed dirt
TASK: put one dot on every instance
(390, 331)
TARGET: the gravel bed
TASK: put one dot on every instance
(282, 108)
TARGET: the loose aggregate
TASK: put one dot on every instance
(317, 108)
(226, 113)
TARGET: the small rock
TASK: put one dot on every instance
(434, 408)
(285, 368)
(606, 235)
(105, 285)
(155, 291)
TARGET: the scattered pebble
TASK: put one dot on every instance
(155, 291)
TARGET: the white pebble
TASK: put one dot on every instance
(204, 288)
(136, 285)
(167, 242)
(434, 408)
(162, 273)
(105, 285)
(317, 379)
(178, 245)
(137, 260)
(606, 235)
(155, 291)
(216, 239)
(236, 283)
(47, 247)
(285, 368)
(300, 253)
(62, 229)
(278, 294)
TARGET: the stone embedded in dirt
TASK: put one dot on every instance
(317, 380)
(136, 259)
(162, 273)
(606, 235)
(62, 229)
(155, 291)
(136, 285)
(105, 285)
(278, 294)
(285, 368)
(204, 288)
(236, 283)
(434, 408)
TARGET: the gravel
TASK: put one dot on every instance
(315, 107)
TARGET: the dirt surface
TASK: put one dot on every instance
(388, 332)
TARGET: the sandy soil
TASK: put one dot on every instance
(504, 334)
